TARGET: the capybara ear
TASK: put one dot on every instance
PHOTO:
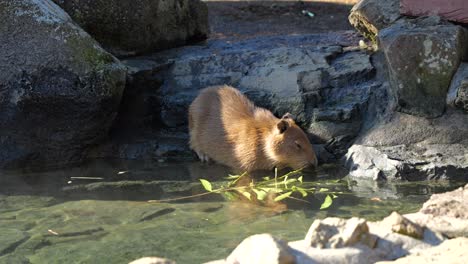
(287, 116)
(282, 126)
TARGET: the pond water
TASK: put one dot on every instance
(99, 213)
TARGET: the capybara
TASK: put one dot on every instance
(225, 126)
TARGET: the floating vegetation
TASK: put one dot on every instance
(271, 189)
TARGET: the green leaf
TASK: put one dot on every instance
(302, 191)
(327, 203)
(300, 179)
(334, 196)
(261, 194)
(207, 185)
(290, 181)
(266, 178)
(323, 190)
(282, 196)
(247, 194)
(230, 196)
(232, 177)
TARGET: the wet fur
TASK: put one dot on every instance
(227, 127)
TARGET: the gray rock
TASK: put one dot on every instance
(386, 245)
(279, 73)
(450, 251)
(159, 145)
(412, 148)
(337, 233)
(401, 225)
(446, 213)
(458, 91)
(59, 89)
(133, 27)
(262, 248)
(420, 84)
(371, 16)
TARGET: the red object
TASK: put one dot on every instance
(454, 10)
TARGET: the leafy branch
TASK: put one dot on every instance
(275, 189)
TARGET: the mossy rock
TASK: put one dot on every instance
(60, 89)
(126, 27)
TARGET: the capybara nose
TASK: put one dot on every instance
(313, 163)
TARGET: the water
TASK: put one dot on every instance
(99, 213)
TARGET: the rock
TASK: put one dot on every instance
(371, 16)
(358, 254)
(458, 91)
(436, 48)
(159, 145)
(262, 248)
(60, 89)
(152, 260)
(412, 148)
(10, 240)
(401, 225)
(385, 245)
(450, 251)
(336, 233)
(446, 213)
(279, 73)
(133, 27)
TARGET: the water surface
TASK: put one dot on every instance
(99, 213)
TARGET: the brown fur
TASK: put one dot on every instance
(227, 127)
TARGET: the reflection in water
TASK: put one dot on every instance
(99, 213)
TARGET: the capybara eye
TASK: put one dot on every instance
(298, 145)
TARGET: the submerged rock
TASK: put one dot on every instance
(126, 27)
(11, 239)
(59, 89)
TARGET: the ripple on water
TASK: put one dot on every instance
(97, 214)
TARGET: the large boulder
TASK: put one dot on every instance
(420, 75)
(127, 27)
(371, 16)
(59, 89)
(450, 251)
(446, 213)
(409, 147)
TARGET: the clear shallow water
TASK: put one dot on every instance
(99, 213)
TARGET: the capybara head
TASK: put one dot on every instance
(289, 146)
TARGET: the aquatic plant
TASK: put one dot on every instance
(270, 189)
